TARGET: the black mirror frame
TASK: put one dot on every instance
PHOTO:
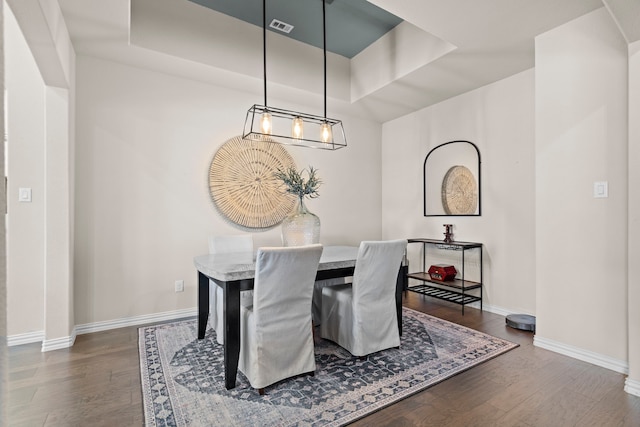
(424, 180)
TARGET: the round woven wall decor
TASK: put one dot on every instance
(459, 191)
(242, 184)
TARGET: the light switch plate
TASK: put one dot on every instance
(600, 189)
(24, 195)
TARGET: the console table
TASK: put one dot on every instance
(456, 290)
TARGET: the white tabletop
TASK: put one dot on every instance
(242, 265)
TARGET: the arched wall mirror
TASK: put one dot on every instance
(451, 180)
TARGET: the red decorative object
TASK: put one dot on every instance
(442, 272)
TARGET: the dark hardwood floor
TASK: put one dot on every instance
(97, 383)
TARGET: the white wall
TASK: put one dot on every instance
(581, 137)
(58, 147)
(4, 373)
(498, 118)
(634, 218)
(42, 64)
(145, 141)
(25, 221)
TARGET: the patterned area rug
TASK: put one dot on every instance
(183, 377)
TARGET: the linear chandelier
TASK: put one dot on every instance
(291, 127)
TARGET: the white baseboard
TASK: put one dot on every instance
(58, 343)
(581, 354)
(88, 328)
(28, 338)
(491, 309)
(632, 386)
(65, 342)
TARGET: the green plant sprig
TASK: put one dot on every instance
(297, 185)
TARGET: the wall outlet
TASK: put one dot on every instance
(24, 195)
(179, 285)
(600, 189)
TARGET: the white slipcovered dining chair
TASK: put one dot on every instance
(223, 245)
(316, 311)
(276, 340)
(362, 317)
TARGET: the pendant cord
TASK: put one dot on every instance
(264, 48)
(324, 48)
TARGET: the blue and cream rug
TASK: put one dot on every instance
(183, 377)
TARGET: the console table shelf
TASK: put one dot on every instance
(456, 290)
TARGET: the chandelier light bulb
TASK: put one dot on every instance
(325, 132)
(297, 128)
(265, 123)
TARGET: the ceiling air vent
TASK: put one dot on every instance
(281, 26)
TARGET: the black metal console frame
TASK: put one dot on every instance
(455, 291)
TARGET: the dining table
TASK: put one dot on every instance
(235, 272)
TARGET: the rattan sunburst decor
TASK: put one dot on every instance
(459, 191)
(242, 184)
